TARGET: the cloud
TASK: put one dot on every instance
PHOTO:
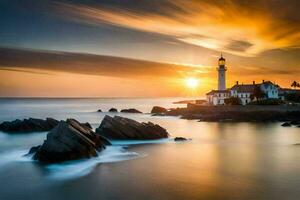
(244, 28)
(24, 70)
(28, 60)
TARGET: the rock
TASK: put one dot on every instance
(178, 139)
(69, 140)
(295, 122)
(34, 149)
(113, 110)
(120, 128)
(28, 125)
(298, 126)
(158, 109)
(131, 110)
(286, 124)
(99, 110)
(88, 125)
(159, 114)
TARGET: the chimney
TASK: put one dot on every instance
(263, 81)
(237, 83)
(253, 82)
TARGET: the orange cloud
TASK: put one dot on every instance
(245, 30)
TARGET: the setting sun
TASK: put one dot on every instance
(192, 83)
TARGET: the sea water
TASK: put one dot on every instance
(221, 161)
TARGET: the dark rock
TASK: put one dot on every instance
(191, 116)
(159, 114)
(99, 110)
(121, 128)
(295, 122)
(113, 110)
(88, 125)
(34, 149)
(286, 124)
(105, 140)
(28, 125)
(69, 140)
(131, 110)
(298, 126)
(158, 109)
(178, 139)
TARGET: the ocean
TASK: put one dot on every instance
(231, 161)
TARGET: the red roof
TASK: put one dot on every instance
(244, 88)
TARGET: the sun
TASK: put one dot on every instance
(192, 83)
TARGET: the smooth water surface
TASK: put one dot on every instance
(222, 161)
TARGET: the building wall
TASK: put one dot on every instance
(217, 98)
(270, 90)
(243, 96)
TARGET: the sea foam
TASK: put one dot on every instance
(75, 169)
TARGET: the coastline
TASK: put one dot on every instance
(238, 113)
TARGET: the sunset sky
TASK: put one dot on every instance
(144, 48)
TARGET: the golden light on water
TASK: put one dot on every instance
(192, 83)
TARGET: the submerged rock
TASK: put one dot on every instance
(131, 110)
(69, 140)
(286, 124)
(178, 139)
(158, 114)
(113, 110)
(158, 109)
(295, 122)
(28, 125)
(120, 128)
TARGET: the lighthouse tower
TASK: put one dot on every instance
(222, 74)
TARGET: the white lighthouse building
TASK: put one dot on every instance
(217, 97)
(222, 74)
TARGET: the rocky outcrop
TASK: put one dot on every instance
(87, 125)
(113, 110)
(249, 113)
(34, 149)
(120, 128)
(69, 140)
(295, 123)
(180, 139)
(131, 110)
(158, 109)
(286, 124)
(28, 125)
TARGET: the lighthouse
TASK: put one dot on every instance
(222, 73)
